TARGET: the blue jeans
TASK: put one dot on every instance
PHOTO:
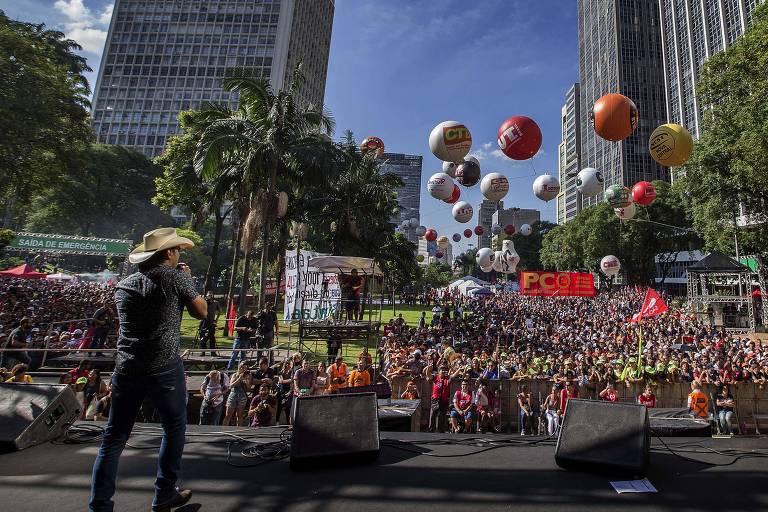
(242, 343)
(724, 418)
(167, 391)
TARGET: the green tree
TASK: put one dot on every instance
(268, 135)
(436, 276)
(109, 196)
(727, 172)
(43, 112)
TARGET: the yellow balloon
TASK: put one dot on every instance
(671, 145)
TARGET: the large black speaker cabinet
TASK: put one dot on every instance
(604, 437)
(31, 414)
(328, 429)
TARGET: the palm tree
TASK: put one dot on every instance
(269, 136)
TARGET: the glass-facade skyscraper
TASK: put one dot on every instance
(691, 32)
(165, 56)
(620, 52)
(408, 169)
(569, 157)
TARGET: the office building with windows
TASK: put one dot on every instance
(691, 32)
(165, 56)
(485, 211)
(408, 169)
(569, 157)
(514, 216)
(620, 51)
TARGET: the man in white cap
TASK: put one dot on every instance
(149, 305)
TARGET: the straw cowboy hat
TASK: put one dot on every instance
(158, 240)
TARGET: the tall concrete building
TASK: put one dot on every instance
(514, 216)
(165, 56)
(485, 211)
(691, 32)
(620, 52)
(569, 157)
(408, 168)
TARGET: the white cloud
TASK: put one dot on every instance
(82, 25)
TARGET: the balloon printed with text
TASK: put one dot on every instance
(494, 186)
(519, 137)
(450, 141)
(462, 212)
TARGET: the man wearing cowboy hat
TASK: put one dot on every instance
(149, 305)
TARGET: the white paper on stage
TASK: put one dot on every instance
(643, 485)
(320, 301)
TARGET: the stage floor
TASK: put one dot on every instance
(57, 477)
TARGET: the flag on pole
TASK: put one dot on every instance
(231, 318)
(653, 305)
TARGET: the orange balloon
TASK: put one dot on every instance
(614, 117)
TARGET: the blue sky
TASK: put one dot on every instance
(399, 67)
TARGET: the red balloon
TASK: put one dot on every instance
(643, 193)
(455, 195)
(430, 235)
(467, 233)
(519, 137)
(479, 230)
(509, 229)
(438, 254)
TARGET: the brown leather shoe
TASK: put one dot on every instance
(181, 499)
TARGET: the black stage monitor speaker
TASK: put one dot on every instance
(329, 428)
(604, 436)
(31, 414)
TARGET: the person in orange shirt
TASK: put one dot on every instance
(698, 403)
(410, 393)
(359, 376)
(337, 374)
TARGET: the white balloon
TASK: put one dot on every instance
(510, 257)
(449, 168)
(610, 265)
(485, 257)
(526, 229)
(462, 212)
(496, 229)
(589, 181)
(405, 225)
(486, 269)
(546, 187)
(498, 263)
(627, 212)
(413, 223)
(450, 141)
(440, 186)
(443, 242)
(421, 231)
(494, 186)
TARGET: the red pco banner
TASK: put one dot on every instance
(557, 284)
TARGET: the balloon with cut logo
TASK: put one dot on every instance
(372, 144)
(526, 229)
(468, 173)
(456, 237)
(468, 233)
(509, 229)
(485, 257)
(644, 193)
(519, 137)
(617, 196)
(614, 117)
(430, 235)
(421, 231)
(455, 195)
(462, 212)
(440, 186)
(494, 186)
(671, 145)
(610, 265)
(546, 187)
(589, 181)
(450, 141)
(626, 212)
(479, 230)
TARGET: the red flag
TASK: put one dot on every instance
(231, 318)
(653, 305)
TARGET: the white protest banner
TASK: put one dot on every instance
(318, 296)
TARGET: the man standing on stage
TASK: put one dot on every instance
(147, 364)
(352, 286)
(207, 330)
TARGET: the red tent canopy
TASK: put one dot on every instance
(24, 271)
